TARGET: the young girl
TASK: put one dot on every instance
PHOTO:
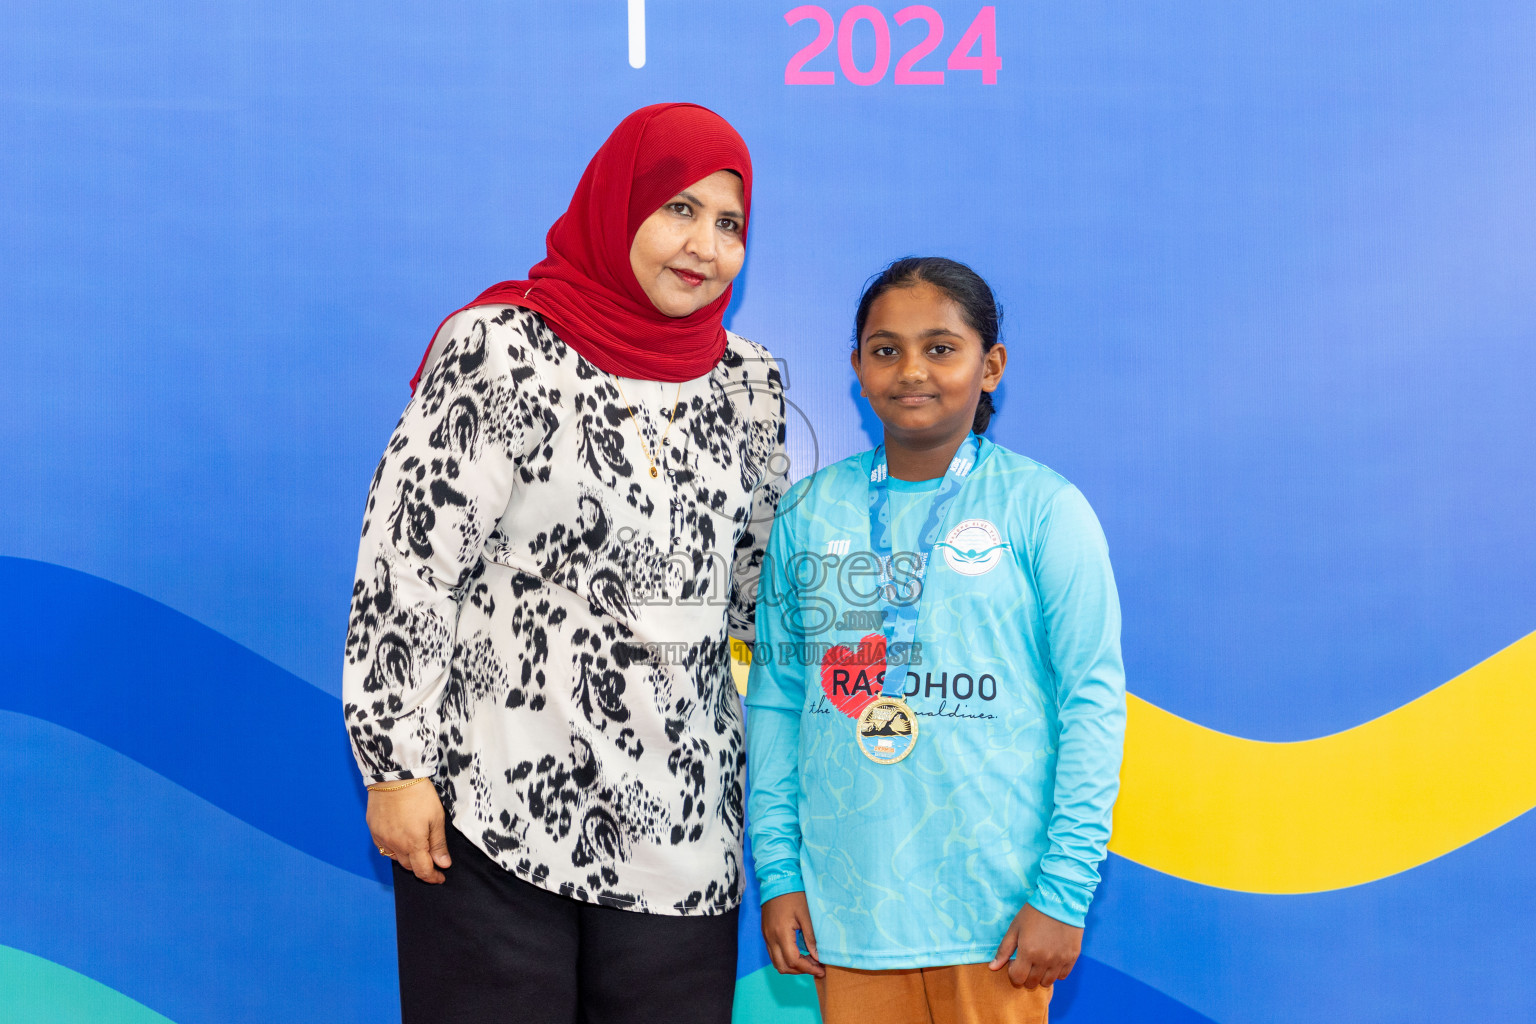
(936, 706)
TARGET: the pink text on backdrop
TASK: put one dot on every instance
(976, 50)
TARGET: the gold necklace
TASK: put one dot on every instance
(648, 456)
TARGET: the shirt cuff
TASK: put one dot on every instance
(394, 754)
(1065, 901)
(403, 775)
(778, 879)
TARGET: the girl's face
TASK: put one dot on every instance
(922, 366)
(688, 252)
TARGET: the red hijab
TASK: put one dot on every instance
(584, 286)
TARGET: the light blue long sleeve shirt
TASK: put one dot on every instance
(1019, 694)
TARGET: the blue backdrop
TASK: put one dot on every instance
(1267, 272)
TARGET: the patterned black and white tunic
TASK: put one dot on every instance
(543, 627)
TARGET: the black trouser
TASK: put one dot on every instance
(485, 947)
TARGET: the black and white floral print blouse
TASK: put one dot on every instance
(543, 627)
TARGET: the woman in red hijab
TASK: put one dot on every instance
(561, 539)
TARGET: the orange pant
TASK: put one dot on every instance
(967, 994)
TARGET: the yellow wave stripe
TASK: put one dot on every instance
(1340, 810)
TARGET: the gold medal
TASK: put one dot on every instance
(886, 730)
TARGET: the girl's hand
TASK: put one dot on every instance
(408, 826)
(782, 917)
(1048, 949)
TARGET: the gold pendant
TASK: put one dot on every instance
(886, 730)
(653, 471)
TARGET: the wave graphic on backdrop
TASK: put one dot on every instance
(172, 847)
(1327, 813)
(134, 882)
(38, 991)
(1362, 804)
(210, 715)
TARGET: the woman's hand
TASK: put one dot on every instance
(408, 826)
(1047, 949)
(782, 917)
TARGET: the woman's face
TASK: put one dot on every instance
(689, 251)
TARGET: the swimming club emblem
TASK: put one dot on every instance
(973, 547)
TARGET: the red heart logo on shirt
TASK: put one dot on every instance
(852, 679)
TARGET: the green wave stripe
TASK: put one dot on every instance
(38, 991)
(767, 997)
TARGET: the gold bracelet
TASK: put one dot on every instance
(379, 788)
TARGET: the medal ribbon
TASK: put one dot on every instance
(901, 617)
